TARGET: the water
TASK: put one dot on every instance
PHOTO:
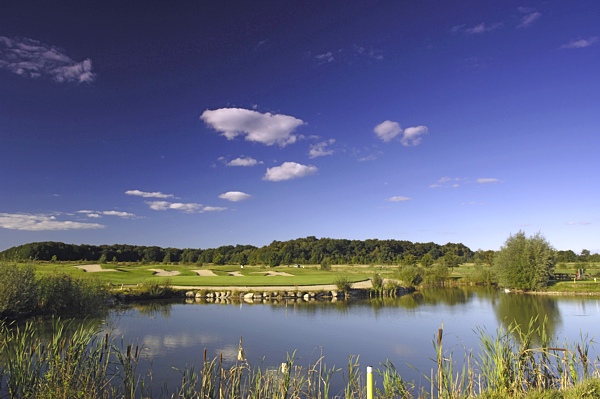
(401, 329)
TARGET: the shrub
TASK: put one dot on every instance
(343, 284)
(325, 265)
(377, 282)
(60, 293)
(410, 276)
(18, 291)
(156, 288)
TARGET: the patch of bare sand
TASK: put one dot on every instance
(271, 274)
(236, 274)
(164, 273)
(94, 268)
(204, 273)
(279, 274)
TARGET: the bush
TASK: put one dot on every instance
(377, 282)
(18, 291)
(157, 289)
(343, 284)
(60, 293)
(325, 265)
(410, 276)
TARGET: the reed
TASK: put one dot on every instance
(519, 362)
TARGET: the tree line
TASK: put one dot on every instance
(308, 250)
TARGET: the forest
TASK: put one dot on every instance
(308, 250)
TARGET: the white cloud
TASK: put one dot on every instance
(320, 149)
(289, 170)
(487, 180)
(243, 161)
(412, 135)
(30, 222)
(581, 43)
(529, 18)
(387, 130)
(234, 196)
(265, 128)
(98, 214)
(145, 194)
(578, 223)
(482, 28)
(159, 205)
(119, 214)
(398, 199)
(189, 207)
(213, 209)
(34, 59)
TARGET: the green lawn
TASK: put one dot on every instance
(250, 275)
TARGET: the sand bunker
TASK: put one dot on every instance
(94, 269)
(272, 274)
(164, 273)
(204, 273)
(235, 274)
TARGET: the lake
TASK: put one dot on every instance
(399, 329)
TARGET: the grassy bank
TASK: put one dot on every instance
(86, 363)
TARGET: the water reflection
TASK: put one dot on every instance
(521, 309)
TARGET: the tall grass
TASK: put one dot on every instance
(86, 363)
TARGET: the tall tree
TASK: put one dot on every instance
(525, 263)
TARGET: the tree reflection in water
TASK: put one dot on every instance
(522, 308)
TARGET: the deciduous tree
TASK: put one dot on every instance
(525, 263)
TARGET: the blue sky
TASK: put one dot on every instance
(199, 124)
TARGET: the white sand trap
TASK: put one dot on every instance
(204, 273)
(164, 273)
(270, 274)
(94, 269)
(235, 274)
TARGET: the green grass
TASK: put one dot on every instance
(251, 276)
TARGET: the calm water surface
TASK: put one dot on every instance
(401, 329)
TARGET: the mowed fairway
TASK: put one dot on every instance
(213, 276)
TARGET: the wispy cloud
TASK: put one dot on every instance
(34, 59)
(264, 128)
(41, 222)
(482, 28)
(398, 199)
(529, 17)
(243, 161)
(320, 149)
(97, 214)
(235, 196)
(578, 223)
(447, 182)
(487, 180)
(369, 53)
(145, 194)
(189, 207)
(288, 171)
(324, 58)
(411, 136)
(580, 43)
